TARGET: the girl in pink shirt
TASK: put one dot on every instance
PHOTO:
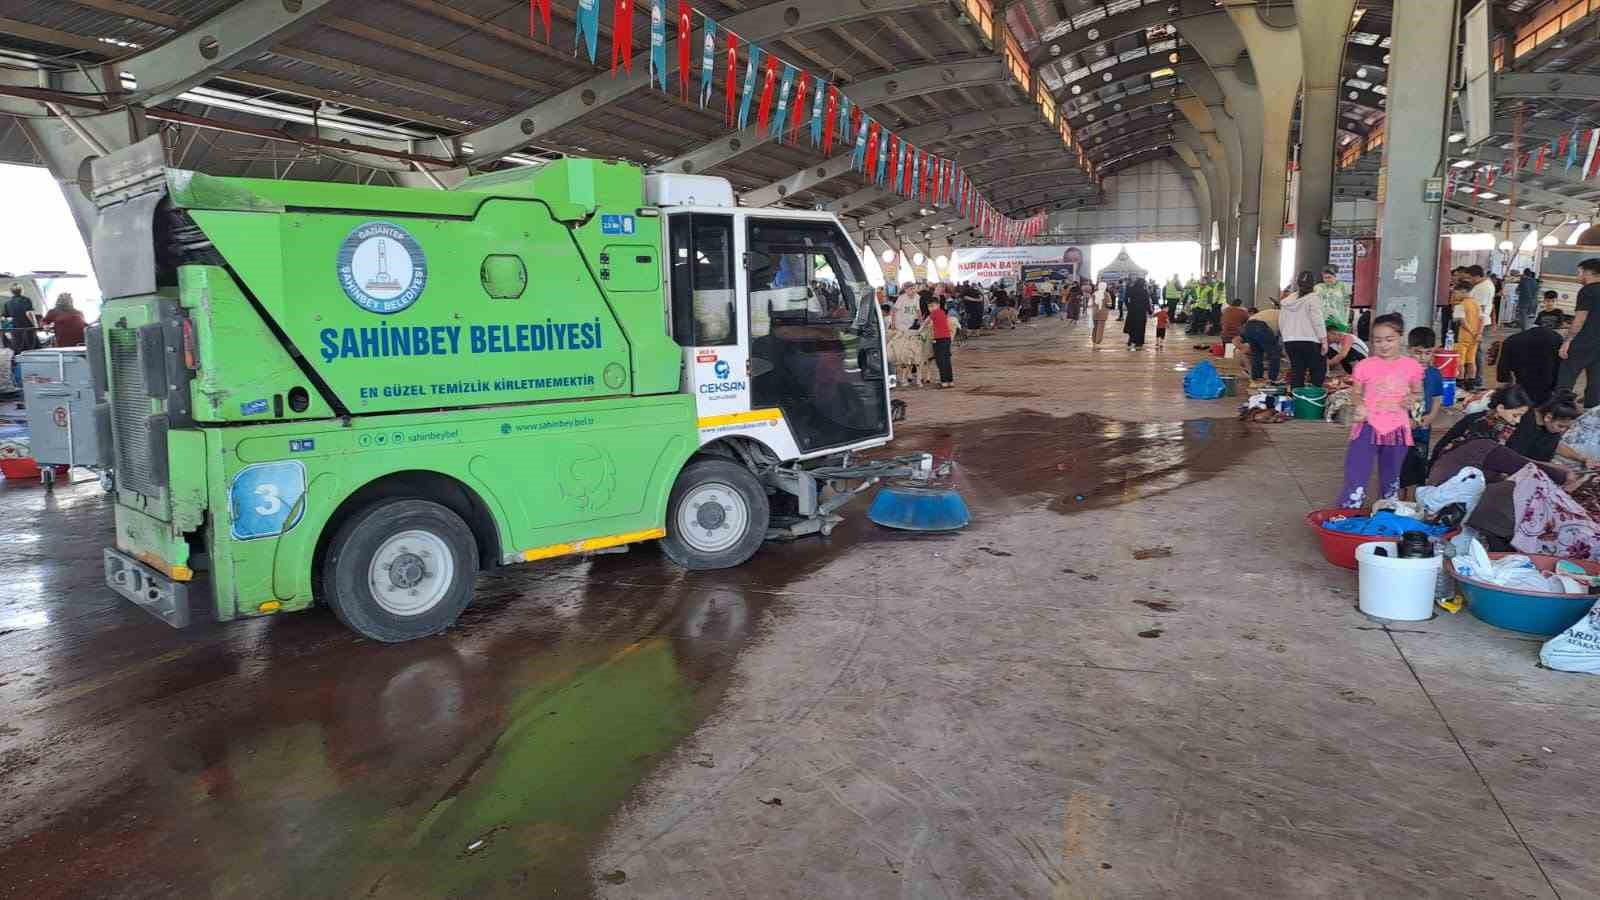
(1386, 384)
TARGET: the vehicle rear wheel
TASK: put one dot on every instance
(401, 569)
(717, 517)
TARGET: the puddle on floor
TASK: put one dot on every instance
(1078, 462)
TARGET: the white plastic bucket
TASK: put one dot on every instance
(1392, 588)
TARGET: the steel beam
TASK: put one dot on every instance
(1552, 86)
(236, 35)
(775, 20)
(929, 79)
(1121, 105)
(1121, 72)
(1049, 143)
(801, 181)
(1054, 45)
(850, 204)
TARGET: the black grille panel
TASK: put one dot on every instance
(130, 414)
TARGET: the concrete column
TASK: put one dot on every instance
(1238, 244)
(1273, 42)
(1324, 31)
(1419, 94)
(1199, 186)
(1226, 200)
(1208, 153)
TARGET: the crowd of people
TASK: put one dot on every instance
(22, 328)
(1397, 392)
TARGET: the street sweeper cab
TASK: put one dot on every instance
(362, 396)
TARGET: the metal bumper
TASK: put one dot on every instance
(154, 592)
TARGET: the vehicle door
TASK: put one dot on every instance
(706, 318)
(816, 338)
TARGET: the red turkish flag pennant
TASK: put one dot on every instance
(622, 36)
(1538, 161)
(927, 176)
(539, 10)
(729, 109)
(767, 91)
(830, 115)
(894, 162)
(910, 174)
(685, 30)
(872, 151)
(944, 182)
(802, 112)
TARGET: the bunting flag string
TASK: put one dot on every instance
(785, 98)
(539, 11)
(588, 33)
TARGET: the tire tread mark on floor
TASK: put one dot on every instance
(1475, 770)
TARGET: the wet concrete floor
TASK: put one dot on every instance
(1132, 676)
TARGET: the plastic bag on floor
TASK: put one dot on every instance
(1577, 649)
(1203, 382)
(1465, 488)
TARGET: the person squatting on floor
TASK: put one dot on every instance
(1385, 386)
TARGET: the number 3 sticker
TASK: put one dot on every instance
(264, 496)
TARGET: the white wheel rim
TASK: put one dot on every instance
(411, 572)
(713, 517)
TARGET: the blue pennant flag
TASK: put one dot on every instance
(883, 156)
(588, 34)
(780, 119)
(844, 115)
(658, 45)
(859, 160)
(751, 70)
(708, 62)
(818, 103)
(1572, 151)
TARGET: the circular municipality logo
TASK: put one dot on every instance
(382, 268)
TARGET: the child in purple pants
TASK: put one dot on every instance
(1386, 384)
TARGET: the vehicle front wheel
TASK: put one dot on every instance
(401, 569)
(717, 517)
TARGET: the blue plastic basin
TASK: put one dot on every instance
(1530, 612)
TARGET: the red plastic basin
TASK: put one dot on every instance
(1340, 548)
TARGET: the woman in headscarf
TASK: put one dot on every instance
(907, 350)
(1138, 305)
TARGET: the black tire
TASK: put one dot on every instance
(725, 482)
(348, 567)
